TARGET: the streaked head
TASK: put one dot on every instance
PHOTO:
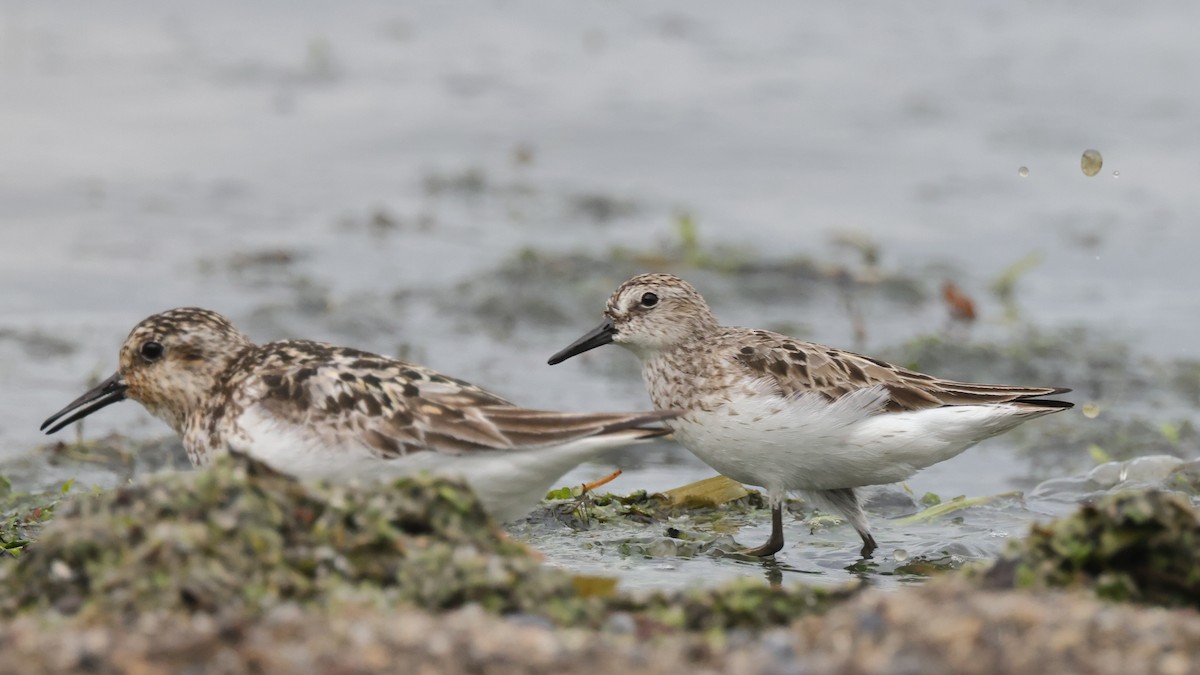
(647, 314)
(169, 363)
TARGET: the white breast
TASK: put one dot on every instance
(809, 443)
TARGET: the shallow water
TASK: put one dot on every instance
(359, 174)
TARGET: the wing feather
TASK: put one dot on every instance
(797, 367)
(392, 408)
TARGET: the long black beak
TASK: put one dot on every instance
(597, 337)
(104, 394)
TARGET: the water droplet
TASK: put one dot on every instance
(1091, 410)
(1116, 174)
(1023, 171)
(900, 555)
(1091, 162)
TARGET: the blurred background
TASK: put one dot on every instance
(463, 184)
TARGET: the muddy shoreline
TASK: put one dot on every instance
(239, 569)
(942, 627)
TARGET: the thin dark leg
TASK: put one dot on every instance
(869, 544)
(775, 543)
(845, 501)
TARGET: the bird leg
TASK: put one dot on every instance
(869, 544)
(845, 501)
(775, 543)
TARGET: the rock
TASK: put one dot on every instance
(946, 626)
(1142, 546)
(241, 538)
(241, 535)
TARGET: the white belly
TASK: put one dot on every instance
(808, 443)
(509, 483)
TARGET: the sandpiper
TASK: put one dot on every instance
(772, 411)
(318, 410)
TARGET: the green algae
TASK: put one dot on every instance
(742, 604)
(242, 534)
(1071, 355)
(1185, 478)
(23, 514)
(239, 537)
(1118, 439)
(553, 287)
(581, 511)
(940, 508)
(696, 519)
(112, 459)
(1126, 400)
(1141, 546)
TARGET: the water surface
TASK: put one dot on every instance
(358, 173)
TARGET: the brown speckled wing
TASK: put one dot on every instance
(797, 367)
(396, 408)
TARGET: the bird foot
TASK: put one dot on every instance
(768, 549)
(775, 543)
(869, 546)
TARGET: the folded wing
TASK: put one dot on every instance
(797, 367)
(393, 409)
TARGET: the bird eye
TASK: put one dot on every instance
(649, 300)
(151, 350)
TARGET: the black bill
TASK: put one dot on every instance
(104, 394)
(597, 337)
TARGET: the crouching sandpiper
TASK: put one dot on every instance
(768, 410)
(316, 410)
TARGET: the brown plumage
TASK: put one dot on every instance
(315, 409)
(770, 410)
(797, 367)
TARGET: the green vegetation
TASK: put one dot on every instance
(1130, 546)
(241, 537)
(938, 508)
(23, 514)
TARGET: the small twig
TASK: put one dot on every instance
(588, 487)
(584, 499)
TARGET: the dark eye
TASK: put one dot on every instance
(152, 351)
(649, 300)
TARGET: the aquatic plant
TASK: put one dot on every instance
(241, 537)
(1141, 546)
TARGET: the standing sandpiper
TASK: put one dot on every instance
(315, 410)
(769, 410)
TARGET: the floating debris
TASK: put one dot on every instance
(707, 493)
(709, 501)
(602, 208)
(38, 344)
(590, 586)
(1091, 162)
(957, 504)
(523, 154)
(960, 305)
(470, 182)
